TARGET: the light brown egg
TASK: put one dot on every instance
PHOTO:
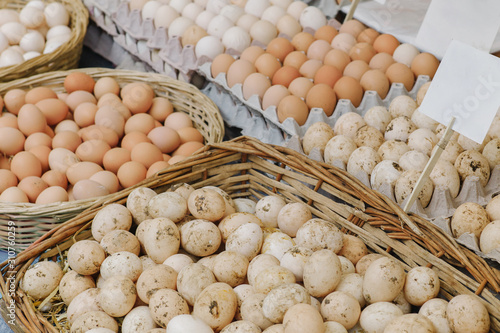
(166, 157)
(385, 43)
(165, 138)
(37, 139)
(280, 47)
(255, 84)
(381, 61)
(14, 99)
(300, 86)
(187, 149)
(399, 72)
(62, 96)
(37, 94)
(8, 120)
(114, 158)
(140, 122)
(293, 107)
(285, 75)
(86, 189)
(251, 53)
(337, 58)
(318, 49)
(13, 194)
(327, 74)
(362, 51)
(32, 186)
(84, 114)
(107, 116)
(52, 194)
(190, 134)
(79, 81)
(326, 33)
(192, 35)
(155, 167)
(161, 108)
(108, 179)
(106, 85)
(108, 98)
(425, 64)
(78, 97)
(287, 25)
(4, 162)
(356, 69)
(8, 179)
(267, 64)
(31, 120)
(353, 27)
(376, 80)
(178, 120)
(368, 36)
(344, 42)
(221, 64)
(302, 41)
(310, 67)
(25, 164)
(55, 178)
(137, 97)
(92, 150)
(295, 59)
(97, 132)
(321, 96)
(274, 95)
(66, 125)
(349, 88)
(49, 131)
(176, 159)
(238, 72)
(42, 153)
(53, 109)
(82, 170)
(131, 139)
(131, 173)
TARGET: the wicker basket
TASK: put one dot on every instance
(34, 220)
(64, 57)
(247, 168)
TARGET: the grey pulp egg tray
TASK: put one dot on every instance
(442, 205)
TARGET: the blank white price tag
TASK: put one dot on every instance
(470, 21)
(466, 86)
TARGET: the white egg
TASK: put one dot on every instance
(179, 5)
(4, 42)
(191, 11)
(296, 8)
(257, 7)
(36, 3)
(236, 38)
(32, 41)
(209, 46)
(273, 14)
(164, 16)
(14, 31)
(32, 17)
(218, 26)
(149, 9)
(312, 17)
(30, 55)
(10, 57)
(56, 14)
(178, 26)
(204, 18)
(58, 30)
(8, 15)
(52, 44)
(215, 6)
(232, 12)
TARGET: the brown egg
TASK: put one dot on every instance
(356, 69)
(274, 95)
(36, 94)
(285, 75)
(66, 139)
(353, 27)
(31, 120)
(310, 67)
(4, 162)
(108, 98)
(67, 125)
(86, 189)
(326, 33)
(190, 134)
(52, 194)
(161, 108)
(349, 88)
(97, 132)
(178, 120)
(368, 36)
(295, 59)
(55, 178)
(37, 139)
(166, 157)
(192, 35)
(187, 149)
(78, 81)
(344, 42)
(399, 72)
(137, 97)
(107, 179)
(8, 120)
(176, 159)
(376, 80)
(82, 170)
(238, 72)
(8, 179)
(13, 194)
(62, 96)
(221, 64)
(302, 41)
(255, 84)
(107, 116)
(267, 64)
(165, 138)
(114, 158)
(318, 49)
(140, 122)
(322, 96)
(84, 114)
(300, 86)
(251, 53)
(25, 164)
(425, 64)
(327, 74)
(42, 153)
(362, 51)
(32, 186)
(155, 167)
(293, 107)
(105, 85)
(381, 61)
(78, 97)
(385, 43)
(280, 47)
(49, 131)
(14, 99)
(131, 173)
(337, 58)
(53, 109)
(133, 138)
(92, 151)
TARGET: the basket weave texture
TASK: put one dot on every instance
(247, 168)
(64, 57)
(34, 220)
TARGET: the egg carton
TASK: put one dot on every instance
(290, 127)
(442, 205)
(101, 11)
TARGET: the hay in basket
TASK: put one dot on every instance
(247, 168)
(32, 220)
(64, 57)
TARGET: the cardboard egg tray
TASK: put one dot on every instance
(442, 205)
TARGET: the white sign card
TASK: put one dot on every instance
(470, 21)
(466, 86)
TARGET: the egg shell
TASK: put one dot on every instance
(137, 97)
(238, 72)
(53, 109)
(383, 272)
(97, 132)
(108, 179)
(294, 107)
(251, 53)
(274, 95)
(356, 69)
(368, 35)
(321, 96)
(107, 116)
(327, 74)
(362, 51)
(55, 178)
(42, 154)
(343, 41)
(32, 186)
(310, 67)
(221, 64)
(267, 64)
(353, 27)
(399, 72)
(81, 170)
(187, 134)
(318, 49)
(326, 33)
(37, 94)
(84, 114)
(8, 120)
(280, 47)
(141, 122)
(11, 140)
(114, 158)
(13, 194)
(14, 99)
(302, 41)
(349, 88)
(295, 59)
(288, 26)
(31, 120)
(187, 149)
(78, 97)
(424, 64)
(165, 138)
(52, 194)
(78, 81)
(300, 87)
(337, 58)
(385, 43)
(192, 35)
(106, 85)
(226, 305)
(26, 164)
(376, 80)
(161, 108)
(92, 150)
(146, 153)
(8, 179)
(131, 139)
(178, 120)
(131, 173)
